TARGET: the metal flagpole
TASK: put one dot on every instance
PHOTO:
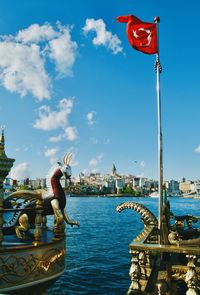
(158, 70)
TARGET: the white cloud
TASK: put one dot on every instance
(21, 171)
(63, 52)
(103, 37)
(96, 161)
(70, 133)
(49, 120)
(23, 58)
(90, 118)
(36, 33)
(142, 164)
(51, 155)
(22, 70)
(56, 138)
(58, 44)
(197, 150)
(52, 120)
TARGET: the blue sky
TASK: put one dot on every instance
(69, 81)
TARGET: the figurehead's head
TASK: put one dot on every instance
(66, 166)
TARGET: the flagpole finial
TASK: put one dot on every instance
(156, 19)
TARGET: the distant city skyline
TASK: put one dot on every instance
(71, 82)
(113, 183)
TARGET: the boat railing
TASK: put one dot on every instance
(40, 223)
(164, 264)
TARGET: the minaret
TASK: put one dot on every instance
(5, 166)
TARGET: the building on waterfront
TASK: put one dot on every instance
(151, 185)
(173, 188)
(185, 186)
(136, 182)
(37, 183)
(110, 186)
(119, 184)
(195, 187)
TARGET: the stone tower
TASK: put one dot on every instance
(5, 166)
(114, 170)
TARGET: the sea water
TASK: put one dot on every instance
(98, 259)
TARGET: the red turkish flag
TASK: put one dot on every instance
(142, 36)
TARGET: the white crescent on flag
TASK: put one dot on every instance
(148, 39)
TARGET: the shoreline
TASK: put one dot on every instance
(123, 195)
(104, 196)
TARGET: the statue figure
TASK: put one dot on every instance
(54, 200)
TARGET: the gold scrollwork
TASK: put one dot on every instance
(46, 264)
(15, 269)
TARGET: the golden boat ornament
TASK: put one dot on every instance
(32, 253)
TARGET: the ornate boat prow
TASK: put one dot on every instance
(150, 221)
(172, 267)
(30, 252)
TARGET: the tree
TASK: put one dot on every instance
(128, 190)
